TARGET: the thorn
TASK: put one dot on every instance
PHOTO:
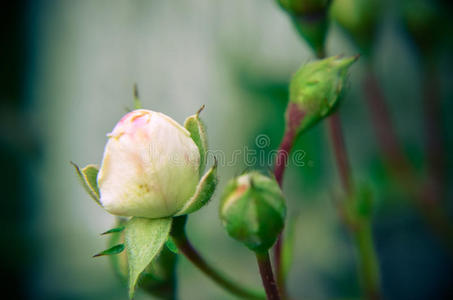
(201, 109)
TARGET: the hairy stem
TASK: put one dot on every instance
(267, 276)
(182, 242)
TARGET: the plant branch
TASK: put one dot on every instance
(267, 276)
(182, 242)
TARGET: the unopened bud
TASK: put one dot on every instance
(253, 210)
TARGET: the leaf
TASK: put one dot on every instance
(197, 131)
(203, 193)
(144, 239)
(88, 178)
(114, 230)
(111, 251)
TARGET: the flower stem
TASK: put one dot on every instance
(394, 157)
(279, 169)
(270, 286)
(341, 157)
(182, 242)
(368, 262)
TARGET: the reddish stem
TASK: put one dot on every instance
(294, 119)
(341, 157)
(391, 149)
(434, 142)
(267, 276)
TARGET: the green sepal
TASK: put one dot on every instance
(198, 134)
(114, 230)
(88, 178)
(171, 245)
(119, 262)
(111, 251)
(203, 193)
(144, 239)
(137, 102)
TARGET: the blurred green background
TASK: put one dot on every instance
(67, 72)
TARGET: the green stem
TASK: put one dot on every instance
(270, 286)
(368, 262)
(179, 236)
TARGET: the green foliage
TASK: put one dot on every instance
(144, 239)
(203, 193)
(88, 178)
(197, 131)
(253, 210)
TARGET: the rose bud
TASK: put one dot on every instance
(150, 166)
(151, 171)
(310, 19)
(253, 210)
(359, 18)
(315, 92)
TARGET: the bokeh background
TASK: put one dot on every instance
(67, 72)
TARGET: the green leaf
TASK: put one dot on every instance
(114, 230)
(197, 131)
(111, 251)
(203, 193)
(172, 246)
(144, 240)
(88, 178)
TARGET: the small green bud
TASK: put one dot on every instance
(310, 19)
(253, 210)
(303, 7)
(315, 91)
(359, 18)
(424, 21)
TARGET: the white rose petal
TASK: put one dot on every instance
(150, 166)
